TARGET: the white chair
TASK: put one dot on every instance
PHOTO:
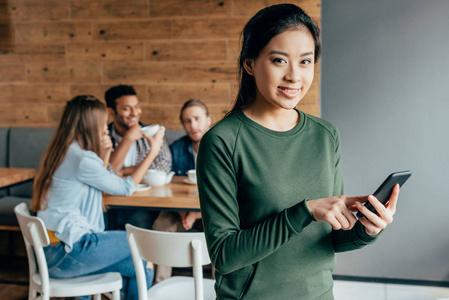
(36, 237)
(175, 249)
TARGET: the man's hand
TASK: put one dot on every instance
(133, 133)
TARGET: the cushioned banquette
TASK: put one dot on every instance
(22, 147)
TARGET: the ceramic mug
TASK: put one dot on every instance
(191, 175)
(151, 130)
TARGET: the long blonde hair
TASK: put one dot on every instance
(81, 121)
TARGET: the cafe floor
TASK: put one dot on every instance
(14, 268)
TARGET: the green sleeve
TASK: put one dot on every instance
(347, 240)
(356, 238)
(231, 247)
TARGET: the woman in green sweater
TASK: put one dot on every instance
(269, 175)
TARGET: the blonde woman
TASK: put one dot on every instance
(68, 196)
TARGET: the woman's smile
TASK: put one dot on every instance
(289, 92)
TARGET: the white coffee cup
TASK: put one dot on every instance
(151, 130)
(191, 175)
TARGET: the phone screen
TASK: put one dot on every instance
(384, 191)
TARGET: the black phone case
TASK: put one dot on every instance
(384, 191)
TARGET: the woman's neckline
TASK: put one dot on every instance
(269, 131)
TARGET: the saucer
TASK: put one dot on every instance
(188, 181)
(141, 187)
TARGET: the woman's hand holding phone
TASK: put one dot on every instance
(375, 214)
(375, 223)
(337, 211)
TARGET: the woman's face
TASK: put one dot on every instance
(284, 69)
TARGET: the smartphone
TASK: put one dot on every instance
(384, 191)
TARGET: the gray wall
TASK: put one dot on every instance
(385, 79)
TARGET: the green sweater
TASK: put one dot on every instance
(253, 183)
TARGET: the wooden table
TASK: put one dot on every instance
(176, 196)
(10, 176)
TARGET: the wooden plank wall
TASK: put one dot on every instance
(170, 50)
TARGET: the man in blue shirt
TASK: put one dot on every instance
(196, 120)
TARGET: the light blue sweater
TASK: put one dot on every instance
(75, 195)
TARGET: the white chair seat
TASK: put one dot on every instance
(169, 289)
(175, 249)
(36, 238)
(81, 286)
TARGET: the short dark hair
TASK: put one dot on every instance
(258, 32)
(193, 102)
(116, 92)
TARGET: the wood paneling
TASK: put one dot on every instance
(32, 52)
(132, 30)
(7, 35)
(250, 7)
(31, 10)
(54, 113)
(26, 114)
(186, 50)
(176, 94)
(34, 93)
(74, 72)
(105, 9)
(210, 72)
(105, 51)
(12, 72)
(309, 109)
(169, 116)
(171, 51)
(172, 8)
(51, 32)
(233, 50)
(98, 90)
(142, 72)
(208, 28)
